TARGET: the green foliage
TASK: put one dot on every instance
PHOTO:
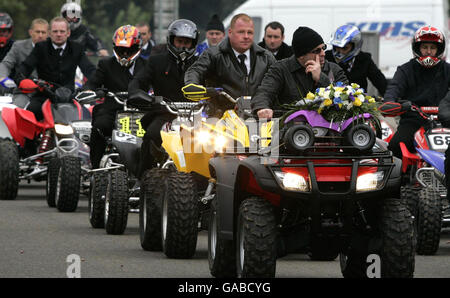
(104, 16)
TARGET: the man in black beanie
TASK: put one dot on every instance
(291, 79)
(215, 33)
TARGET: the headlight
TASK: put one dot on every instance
(63, 129)
(220, 143)
(203, 137)
(291, 181)
(368, 182)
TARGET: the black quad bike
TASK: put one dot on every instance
(322, 192)
(114, 191)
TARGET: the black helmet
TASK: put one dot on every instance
(182, 28)
(5, 23)
(72, 12)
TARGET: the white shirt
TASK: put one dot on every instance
(247, 60)
(63, 47)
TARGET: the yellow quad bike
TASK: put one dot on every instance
(175, 204)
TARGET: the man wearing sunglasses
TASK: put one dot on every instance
(289, 80)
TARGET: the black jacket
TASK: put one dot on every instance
(284, 51)
(113, 77)
(83, 36)
(166, 76)
(54, 68)
(286, 82)
(219, 67)
(422, 86)
(363, 68)
(162, 72)
(5, 49)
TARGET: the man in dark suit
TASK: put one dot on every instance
(165, 72)
(114, 74)
(56, 61)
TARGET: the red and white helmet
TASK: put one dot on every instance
(429, 34)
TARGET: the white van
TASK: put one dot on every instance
(394, 20)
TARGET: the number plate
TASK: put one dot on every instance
(130, 123)
(439, 141)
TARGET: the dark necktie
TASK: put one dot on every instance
(58, 51)
(242, 62)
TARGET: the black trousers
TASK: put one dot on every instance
(151, 143)
(405, 133)
(35, 105)
(102, 126)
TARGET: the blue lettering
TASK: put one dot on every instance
(391, 29)
(412, 26)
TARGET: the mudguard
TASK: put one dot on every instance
(225, 169)
(128, 147)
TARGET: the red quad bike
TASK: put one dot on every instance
(423, 186)
(58, 147)
(333, 189)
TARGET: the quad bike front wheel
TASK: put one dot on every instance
(68, 184)
(96, 199)
(52, 181)
(180, 216)
(256, 249)
(221, 252)
(428, 221)
(9, 170)
(153, 189)
(396, 250)
(116, 203)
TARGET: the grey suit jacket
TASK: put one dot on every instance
(16, 55)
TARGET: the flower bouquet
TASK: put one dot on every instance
(337, 103)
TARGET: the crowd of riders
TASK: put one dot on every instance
(270, 71)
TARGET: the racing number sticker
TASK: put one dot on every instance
(125, 122)
(439, 141)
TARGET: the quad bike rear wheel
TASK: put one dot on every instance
(68, 184)
(116, 203)
(180, 216)
(153, 189)
(428, 221)
(96, 199)
(9, 170)
(256, 249)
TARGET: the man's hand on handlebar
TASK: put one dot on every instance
(265, 113)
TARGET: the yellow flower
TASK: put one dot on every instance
(370, 99)
(310, 96)
(327, 102)
(357, 102)
(321, 91)
(340, 89)
(355, 86)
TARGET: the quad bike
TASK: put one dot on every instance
(57, 149)
(114, 191)
(332, 189)
(175, 197)
(424, 188)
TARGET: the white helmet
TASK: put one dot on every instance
(72, 12)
